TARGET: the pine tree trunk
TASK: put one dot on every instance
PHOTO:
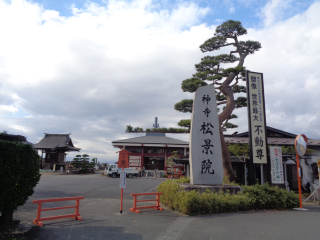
(224, 115)
(227, 167)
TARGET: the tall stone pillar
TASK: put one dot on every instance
(206, 165)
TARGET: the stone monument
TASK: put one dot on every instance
(206, 167)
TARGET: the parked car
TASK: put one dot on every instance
(114, 171)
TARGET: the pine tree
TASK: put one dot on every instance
(76, 162)
(225, 80)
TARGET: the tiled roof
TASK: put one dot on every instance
(280, 141)
(270, 131)
(52, 141)
(152, 140)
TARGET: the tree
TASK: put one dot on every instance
(93, 162)
(225, 80)
(170, 162)
(76, 162)
(185, 123)
(129, 128)
(19, 171)
(82, 161)
(239, 149)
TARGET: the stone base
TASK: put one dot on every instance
(213, 188)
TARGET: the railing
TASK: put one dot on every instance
(135, 201)
(76, 215)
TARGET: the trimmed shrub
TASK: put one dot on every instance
(19, 171)
(266, 197)
(255, 197)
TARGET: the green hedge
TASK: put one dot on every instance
(19, 174)
(255, 197)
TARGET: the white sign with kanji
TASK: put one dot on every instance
(276, 165)
(122, 179)
(256, 113)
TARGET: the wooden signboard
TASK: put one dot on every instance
(123, 161)
(257, 118)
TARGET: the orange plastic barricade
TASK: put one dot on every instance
(135, 201)
(76, 215)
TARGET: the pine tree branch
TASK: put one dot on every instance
(235, 83)
(239, 49)
(225, 123)
(218, 68)
(219, 103)
(219, 46)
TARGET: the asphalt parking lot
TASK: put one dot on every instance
(102, 219)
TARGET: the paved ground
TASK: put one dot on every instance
(102, 220)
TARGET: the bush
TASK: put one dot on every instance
(19, 171)
(255, 197)
(227, 182)
(266, 197)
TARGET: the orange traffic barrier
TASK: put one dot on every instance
(135, 201)
(76, 215)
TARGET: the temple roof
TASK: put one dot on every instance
(271, 132)
(56, 141)
(274, 137)
(145, 140)
(271, 141)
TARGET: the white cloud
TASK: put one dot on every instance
(289, 59)
(230, 5)
(121, 63)
(277, 10)
(97, 71)
(8, 108)
(272, 12)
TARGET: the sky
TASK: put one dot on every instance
(90, 68)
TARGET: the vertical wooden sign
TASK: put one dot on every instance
(123, 161)
(257, 118)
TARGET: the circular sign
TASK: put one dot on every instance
(301, 144)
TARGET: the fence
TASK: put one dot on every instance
(76, 215)
(135, 201)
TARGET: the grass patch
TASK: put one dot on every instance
(256, 197)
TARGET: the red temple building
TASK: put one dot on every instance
(152, 151)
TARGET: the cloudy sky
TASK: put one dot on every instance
(90, 68)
